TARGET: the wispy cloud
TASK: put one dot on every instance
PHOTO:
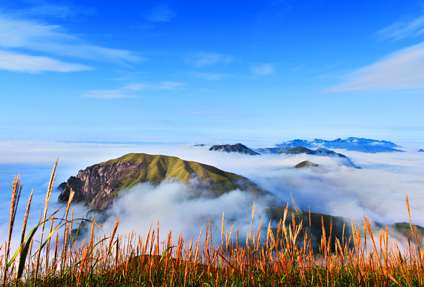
(55, 11)
(51, 39)
(161, 13)
(402, 29)
(206, 59)
(262, 70)
(35, 64)
(156, 87)
(107, 94)
(401, 70)
(130, 90)
(209, 76)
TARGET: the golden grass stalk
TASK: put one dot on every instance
(16, 192)
(113, 234)
(46, 205)
(25, 221)
(71, 197)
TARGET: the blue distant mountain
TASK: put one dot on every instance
(273, 150)
(351, 144)
(421, 150)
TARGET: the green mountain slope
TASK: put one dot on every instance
(99, 184)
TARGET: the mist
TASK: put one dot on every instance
(377, 190)
(173, 206)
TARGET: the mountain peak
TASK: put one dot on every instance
(237, 148)
(305, 163)
(99, 184)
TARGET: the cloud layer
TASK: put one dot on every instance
(161, 13)
(376, 191)
(172, 205)
(263, 70)
(34, 64)
(401, 70)
(129, 91)
(202, 59)
(51, 40)
(402, 29)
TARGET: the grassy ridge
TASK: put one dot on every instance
(99, 184)
(157, 168)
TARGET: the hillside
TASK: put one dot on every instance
(305, 163)
(100, 184)
(338, 227)
(237, 148)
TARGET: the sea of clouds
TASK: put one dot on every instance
(377, 190)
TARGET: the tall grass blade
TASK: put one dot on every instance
(24, 253)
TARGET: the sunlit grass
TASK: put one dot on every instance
(283, 257)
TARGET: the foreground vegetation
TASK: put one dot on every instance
(50, 255)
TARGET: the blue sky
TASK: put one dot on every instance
(206, 71)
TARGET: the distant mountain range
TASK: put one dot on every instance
(240, 148)
(351, 144)
(421, 150)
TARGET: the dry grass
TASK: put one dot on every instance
(283, 258)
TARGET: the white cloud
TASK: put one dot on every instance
(35, 36)
(401, 70)
(298, 68)
(401, 30)
(55, 11)
(209, 76)
(129, 90)
(206, 59)
(34, 64)
(160, 13)
(376, 191)
(263, 70)
(158, 87)
(107, 94)
(175, 207)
